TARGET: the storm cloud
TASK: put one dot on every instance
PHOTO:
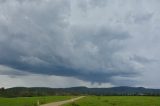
(91, 40)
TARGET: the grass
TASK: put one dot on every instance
(117, 101)
(31, 101)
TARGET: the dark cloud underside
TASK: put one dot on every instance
(88, 40)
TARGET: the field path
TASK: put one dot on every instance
(62, 102)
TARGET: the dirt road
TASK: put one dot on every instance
(63, 102)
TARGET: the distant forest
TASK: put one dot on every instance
(42, 91)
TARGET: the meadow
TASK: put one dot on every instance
(117, 101)
(31, 101)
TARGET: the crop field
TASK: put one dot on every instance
(117, 101)
(31, 101)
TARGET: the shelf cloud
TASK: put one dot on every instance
(98, 41)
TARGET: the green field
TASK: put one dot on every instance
(117, 101)
(31, 101)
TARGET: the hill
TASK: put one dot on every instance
(43, 91)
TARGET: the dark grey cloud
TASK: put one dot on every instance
(54, 37)
(142, 59)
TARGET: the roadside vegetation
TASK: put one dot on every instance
(117, 101)
(31, 101)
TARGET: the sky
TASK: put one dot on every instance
(92, 43)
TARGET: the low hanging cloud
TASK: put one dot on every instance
(50, 37)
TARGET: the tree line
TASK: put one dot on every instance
(42, 91)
